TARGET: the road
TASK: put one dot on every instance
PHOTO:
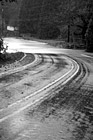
(49, 99)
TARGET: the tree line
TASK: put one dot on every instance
(51, 19)
(55, 18)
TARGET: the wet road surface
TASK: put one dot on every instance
(66, 113)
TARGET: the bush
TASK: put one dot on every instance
(89, 36)
(9, 58)
(49, 32)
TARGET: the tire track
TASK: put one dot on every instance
(38, 95)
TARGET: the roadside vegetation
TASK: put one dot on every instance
(68, 20)
(9, 58)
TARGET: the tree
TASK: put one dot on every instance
(1, 45)
(89, 36)
(36, 14)
(85, 16)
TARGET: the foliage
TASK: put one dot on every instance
(49, 32)
(2, 47)
(37, 17)
(34, 14)
(89, 36)
(9, 58)
(10, 12)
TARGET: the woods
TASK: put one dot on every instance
(53, 19)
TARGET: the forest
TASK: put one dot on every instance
(70, 20)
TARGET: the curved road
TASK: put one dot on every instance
(60, 83)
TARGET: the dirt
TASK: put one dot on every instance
(16, 60)
(67, 116)
(26, 82)
(9, 58)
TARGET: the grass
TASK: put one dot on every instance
(9, 58)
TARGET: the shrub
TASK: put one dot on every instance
(49, 32)
(9, 58)
(89, 36)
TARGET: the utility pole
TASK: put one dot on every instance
(2, 10)
(69, 20)
(40, 17)
(2, 27)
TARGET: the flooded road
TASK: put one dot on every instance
(65, 114)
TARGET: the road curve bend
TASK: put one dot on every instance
(61, 77)
(48, 100)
